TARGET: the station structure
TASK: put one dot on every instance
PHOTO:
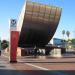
(35, 27)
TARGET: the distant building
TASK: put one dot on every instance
(58, 42)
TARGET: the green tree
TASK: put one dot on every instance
(63, 33)
(73, 41)
(4, 44)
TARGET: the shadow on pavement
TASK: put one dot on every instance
(36, 72)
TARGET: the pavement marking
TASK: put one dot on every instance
(42, 68)
(45, 69)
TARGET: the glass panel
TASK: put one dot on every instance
(52, 19)
(40, 17)
(47, 16)
(29, 6)
(28, 13)
(27, 17)
(46, 20)
(34, 18)
(48, 9)
(35, 14)
(42, 8)
(41, 14)
(36, 8)
(56, 18)
(58, 12)
(52, 16)
(53, 11)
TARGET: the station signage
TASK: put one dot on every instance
(12, 24)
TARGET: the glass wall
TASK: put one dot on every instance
(42, 13)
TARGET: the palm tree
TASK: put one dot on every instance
(63, 33)
(68, 34)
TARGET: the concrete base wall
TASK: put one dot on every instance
(21, 52)
(18, 51)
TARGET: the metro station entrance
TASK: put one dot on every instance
(34, 29)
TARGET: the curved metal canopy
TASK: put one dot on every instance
(37, 24)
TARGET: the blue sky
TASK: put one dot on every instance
(12, 8)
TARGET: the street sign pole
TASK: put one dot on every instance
(14, 36)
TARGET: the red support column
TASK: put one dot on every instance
(14, 37)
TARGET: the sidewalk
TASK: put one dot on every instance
(34, 66)
(4, 64)
(45, 59)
